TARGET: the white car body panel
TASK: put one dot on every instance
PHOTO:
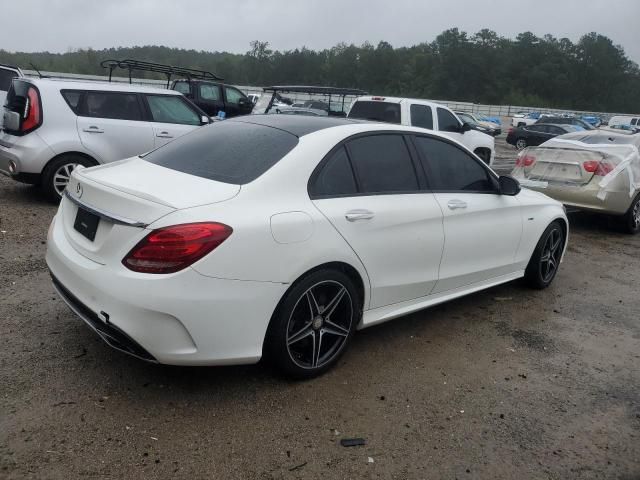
(413, 253)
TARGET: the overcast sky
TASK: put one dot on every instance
(60, 25)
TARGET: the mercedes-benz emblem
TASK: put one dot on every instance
(79, 189)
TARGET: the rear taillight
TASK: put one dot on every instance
(32, 115)
(525, 161)
(510, 131)
(171, 249)
(597, 167)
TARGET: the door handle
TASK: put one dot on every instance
(456, 204)
(164, 135)
(355, 215)
(93, 129)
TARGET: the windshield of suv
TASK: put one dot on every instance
(377, 111)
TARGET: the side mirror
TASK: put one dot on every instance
(508, 185)
(465, 127)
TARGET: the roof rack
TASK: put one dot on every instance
(315, 90)
(168, 70)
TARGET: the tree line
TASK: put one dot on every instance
(592, 74)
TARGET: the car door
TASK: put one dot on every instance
(171, 117)
(449, 125)
(112, 125)
(209, 98)
(482, 229)
(370, 190)
(236, 102)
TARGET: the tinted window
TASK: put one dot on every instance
(447, 122)
(449, 168)
(5, 79)
(230, 152)
(171, 109)
(538, 128)
(376, 111)
(335, 178)
(72, 97)
(382, 164)
(182, 87)
(233, 94)
(122, 106)
(209, 92)
(421, 116)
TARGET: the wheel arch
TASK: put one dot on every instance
(64, 154)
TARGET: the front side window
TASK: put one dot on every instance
(335, 178)
(116, 105)
(172, 109)
(209, 92)
(421, 116)
(382, 164)
(451, 169)
(447, 122)
(233, 95)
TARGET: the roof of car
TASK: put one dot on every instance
(603, 137)
(98, 85)
(298, 125)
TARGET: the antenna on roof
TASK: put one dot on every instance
(36, 69)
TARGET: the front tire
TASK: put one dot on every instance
(545, 261)
(57, 173)
(313, 324)
(631, 219)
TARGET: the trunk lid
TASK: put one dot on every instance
(126, 197)
(558, 165)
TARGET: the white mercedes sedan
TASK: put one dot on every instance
(279, 236)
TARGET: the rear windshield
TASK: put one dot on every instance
(229, 152)
(376, 111)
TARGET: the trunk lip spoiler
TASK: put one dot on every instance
(104, 214)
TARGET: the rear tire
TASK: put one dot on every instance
(313, 324)
(521, 143)
(545, 261)
(58, 171)
(631, 219)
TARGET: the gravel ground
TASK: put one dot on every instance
(507, 383)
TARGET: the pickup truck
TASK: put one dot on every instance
(214, 97)
(425, 114)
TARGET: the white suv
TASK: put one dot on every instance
(51, 126)
(424, 114)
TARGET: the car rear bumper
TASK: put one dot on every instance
(29, 153)
(585, 197)
(183, 318)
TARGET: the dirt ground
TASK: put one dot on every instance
(509, 383)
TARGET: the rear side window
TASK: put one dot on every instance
(116, 105)
(72, 97)
(451, 169)
(376, 111)
(421, 116)
(209, 92)
(172, 109)
(382, 164)
(447, 122)
(335, 178)
(182, 87)
(229, 152)
(6, 76)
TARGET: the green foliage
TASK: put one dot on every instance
(592, 74)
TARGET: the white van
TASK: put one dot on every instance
(52, 125)
(631, 120)
(425, 114)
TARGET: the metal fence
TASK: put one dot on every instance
(492, 110)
